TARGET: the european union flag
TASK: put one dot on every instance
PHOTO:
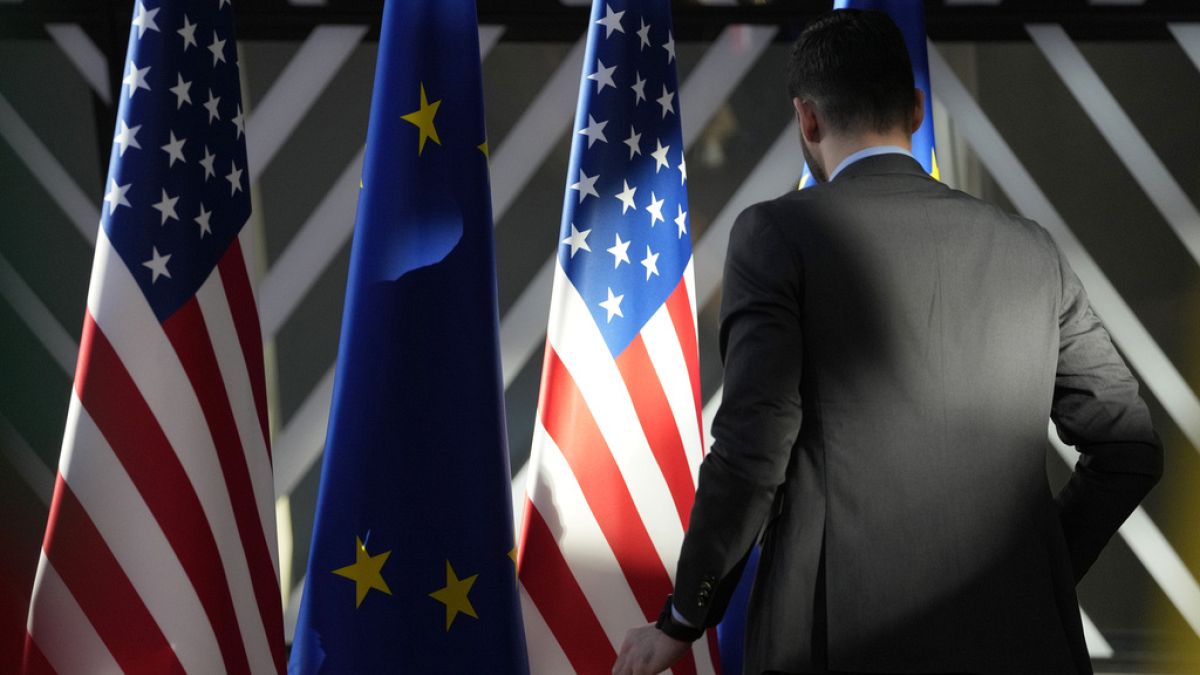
(413, 566)
(909, 16)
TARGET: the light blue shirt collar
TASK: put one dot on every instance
(869, 152)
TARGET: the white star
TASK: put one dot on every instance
(211, 107)
(626, 198)
(175, 150)
(613, 305)
(594, 131)
(655, 209)
(189, 34)
(670, 47)
(634, 142)
(234, 178)
(660, 156)
(578, 240)
(207, 163)
(586, 186)
(682, 169)
(136, 78)
(144, 20)
(620, 251)
(667, 101)
(218, 49)
(182, 92)
(639, 88)
(116, 195)
(239, 121)
(202, 221)
(644, 34)
(158, 265)
(126, 137)
(681, 220)
(166, 207)
(650, 262)
(611, 21)
(603, 76)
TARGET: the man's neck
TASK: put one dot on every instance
(841, 148)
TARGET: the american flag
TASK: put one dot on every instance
(160, 550)
(618, 440)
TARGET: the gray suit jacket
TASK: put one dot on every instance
(893, 349)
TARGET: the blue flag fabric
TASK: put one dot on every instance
(909, 15)
(412, 567)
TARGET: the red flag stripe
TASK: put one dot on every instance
(556, 594)
(188, 334)
(33, 661)
(679, 305)
(570, 424)
(127, 423)
(658, 423)
(236, 280)
(82, 558)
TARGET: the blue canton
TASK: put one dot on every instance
(625, 231)
(177, 192)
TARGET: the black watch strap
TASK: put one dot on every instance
(674, 629)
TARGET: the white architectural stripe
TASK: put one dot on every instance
(61, 629)
(323, 234)
(1188, 37)
(84, 55)
(774, 175)
(577, 341)
(521, 330)
(60, 345)
(1153, 550)
(726, 60)
(214, 306)
(1114, 124)
(309, 252)
(710, 411)
(530, 140)
(545, 654)
(74, 202)
(560, 500)
(1098, 647)
(292, 615)
(17, 452)
(120, 311)
(121, 516)
(1144, 354)
(666, 355)
(301, 442)
(292, 94)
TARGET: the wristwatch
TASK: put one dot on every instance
(674, 629)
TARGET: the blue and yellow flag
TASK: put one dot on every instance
(909, 15)
(412, 567)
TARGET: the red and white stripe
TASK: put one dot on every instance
(160, 551)
(616, 450)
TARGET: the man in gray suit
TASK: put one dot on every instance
(893, 349)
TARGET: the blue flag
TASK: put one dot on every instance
(909, 15)
(412, 567)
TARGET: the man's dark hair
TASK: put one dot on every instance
(854, 65)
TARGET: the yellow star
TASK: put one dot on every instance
(423, 119)
(454, 596)
(365, 572)
(483, 147)
(936, 173)
(513, 554)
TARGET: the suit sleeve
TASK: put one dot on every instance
(758, 420)
(1096, 408)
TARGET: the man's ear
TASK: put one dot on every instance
(811, 124)
(918, 115)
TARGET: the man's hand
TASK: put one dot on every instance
(648, 651)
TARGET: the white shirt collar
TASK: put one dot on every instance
(871, 151)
